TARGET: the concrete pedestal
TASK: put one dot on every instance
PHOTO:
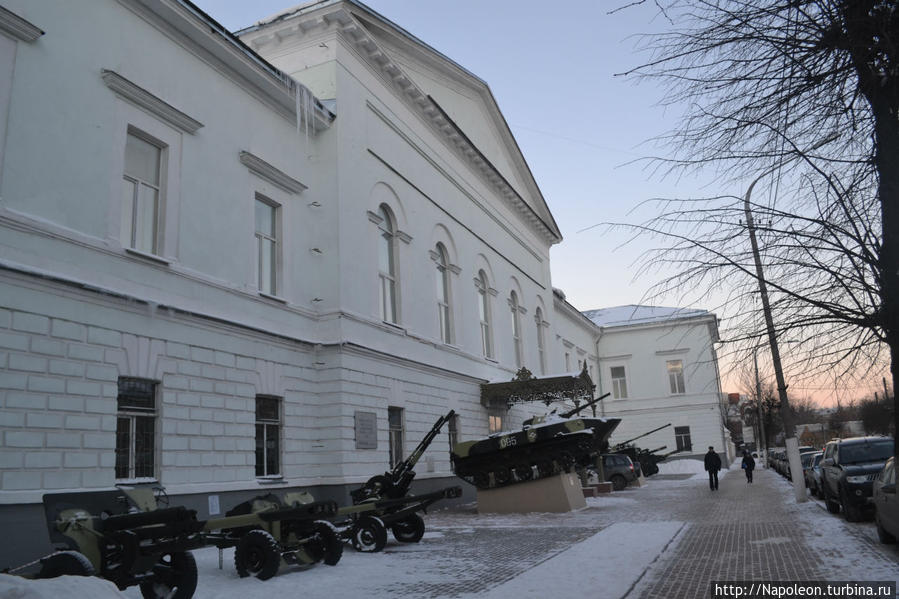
(560, 493)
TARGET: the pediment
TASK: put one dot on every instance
(467, 101)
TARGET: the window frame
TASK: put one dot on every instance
(137, 198)
(613, 380)
(516, 329)
(541, 340)
(266, 424)
(482, 284)
(277, 268)
(444, 297)
(131, 414)
(678, 377)
(388, 280)
(396, 435)
(496, 419)
(128, 118)
(680, 435)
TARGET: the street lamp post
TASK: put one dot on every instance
(761, 416)
(786, 416)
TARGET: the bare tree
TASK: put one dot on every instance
(806, 94)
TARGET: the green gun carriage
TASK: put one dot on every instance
(122, 535)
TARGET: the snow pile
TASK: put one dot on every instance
(16, 587)
(682, 467)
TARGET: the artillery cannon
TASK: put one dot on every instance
(365, 525)
(123, 536)
(647, 459)
(545, 445)
(395, 484)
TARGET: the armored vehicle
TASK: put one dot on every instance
(545, 445)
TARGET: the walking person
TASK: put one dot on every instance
(748, 465)
(712, 466)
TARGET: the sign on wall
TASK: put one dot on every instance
(366, 430)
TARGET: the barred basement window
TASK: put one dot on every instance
(682, 438)
(268, 436)
(135, 429)
(396, 433)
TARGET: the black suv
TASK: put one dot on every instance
(848, 469)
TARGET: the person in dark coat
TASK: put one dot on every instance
(748, 465)
(712, 466)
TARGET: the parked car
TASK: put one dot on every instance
(618, 470)
(813, 479)
(804, 450)
(809, 461)
(886, 505)
(848, 470)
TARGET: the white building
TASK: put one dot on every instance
(659, 365)
(219, 280)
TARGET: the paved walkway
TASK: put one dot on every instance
(740, 532)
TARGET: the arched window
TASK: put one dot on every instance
(387, 265)
(540, 348)
(444, 316)
(484, 314)
(516, 328)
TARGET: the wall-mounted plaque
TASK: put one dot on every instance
(366, 430)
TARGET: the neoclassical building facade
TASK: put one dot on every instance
(237, 263)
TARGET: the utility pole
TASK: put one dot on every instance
(789, 427)
(758, 396)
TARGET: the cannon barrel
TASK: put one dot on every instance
(395, 484)
(656, 449)
(623, 443)
(578, 409)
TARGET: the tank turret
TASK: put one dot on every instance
(544, 446)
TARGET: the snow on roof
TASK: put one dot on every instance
(635, 314)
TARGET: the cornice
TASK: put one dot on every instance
(193, 29)
(355, 34)
(18, 27)
(261, 168)
(144, 99)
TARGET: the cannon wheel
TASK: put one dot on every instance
(65, 563)
(329, 544)
(257, 554)
(174, 577)
(544, 468)
(369, 534)
(501, 476)
(410, 529)
(481, 480)
(524, 472)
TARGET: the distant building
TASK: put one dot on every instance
(661, 367)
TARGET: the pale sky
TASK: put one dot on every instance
(551, 68)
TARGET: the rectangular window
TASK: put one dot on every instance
(676, 376)
(266, 246)
(135, 429)
(453, 429)
(619, 382)
(395, 434)
(567, 362)
(268, 436)
(141, 193)
(682, 438)
(495, 418)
